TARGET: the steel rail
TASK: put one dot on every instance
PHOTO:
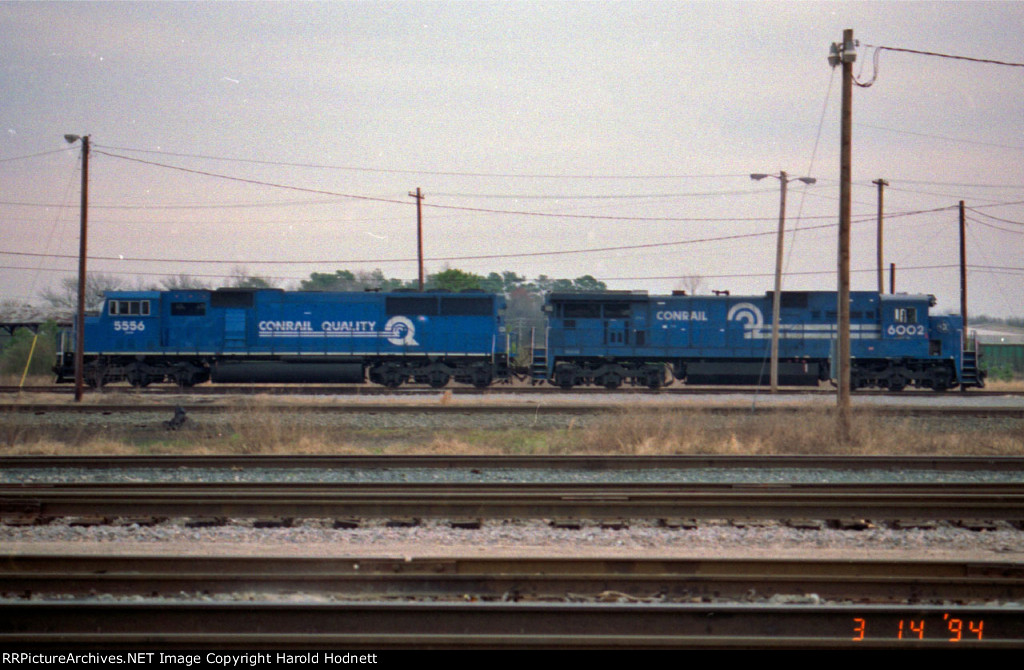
(567, 409)
(598, 463)
(512, 579)
(498, 389)
(523, 501)
(166, 625)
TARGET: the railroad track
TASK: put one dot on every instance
(360, 603)
(559, 409)
(498, 389)
(516, 579)
(376, 626)
(572, 463)
(667, 502)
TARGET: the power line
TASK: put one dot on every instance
(563, 252)
(605, 249)
(942, 55)
(987, 269)
(92, 206)
(995, 227)
(640, 196)
(942, 137)
(41, 153)
(441, 173)
(957, 183)
(482, 210)
(994, 269)
(996, 218)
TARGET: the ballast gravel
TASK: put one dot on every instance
(1000, 541)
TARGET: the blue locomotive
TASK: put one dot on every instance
(275, 336)
(607, 338)
(621, 337)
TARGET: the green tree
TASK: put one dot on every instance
(16, 351)
(341, 280)
(588, 283)
(453, 279)
(346, 280)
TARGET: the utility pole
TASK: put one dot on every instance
(80, 325)
(892, 278)
(419, 232)
(777, 294)
(881, 183)
(845, 54)
(963, 272)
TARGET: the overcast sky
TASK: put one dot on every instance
(623, 131)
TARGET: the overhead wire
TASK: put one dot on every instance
(604, 249)
(433, 205)
(878, 49)
(36, 155)
(936, 54)
(442, 173)
(810, 166)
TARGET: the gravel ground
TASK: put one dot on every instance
(497, 538)
(312, 537)
(502, 475)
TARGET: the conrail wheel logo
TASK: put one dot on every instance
(401, 331)
(749, 313)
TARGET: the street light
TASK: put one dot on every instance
(80, 326)
(776, 296)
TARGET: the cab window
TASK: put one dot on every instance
(128, 307)
(905, 315)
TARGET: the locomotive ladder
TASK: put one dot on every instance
(539, 357)
(969, 375)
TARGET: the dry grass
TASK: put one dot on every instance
(803, 431)
(1014, 386)
(261, 425)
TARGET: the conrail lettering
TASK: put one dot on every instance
(682, 315)
(296, 326)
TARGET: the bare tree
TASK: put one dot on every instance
(691, 284)
(182, 282)
(240, 278)
(63, 300)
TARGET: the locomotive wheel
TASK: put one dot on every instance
(438, 379)
(654, 378)
(188, 375)
(137, 377)
(94, 377)
(565, 378)
(943, 380)
(897, 383)
(387, 375)
(481, 378)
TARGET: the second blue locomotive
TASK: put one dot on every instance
(619, 337)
